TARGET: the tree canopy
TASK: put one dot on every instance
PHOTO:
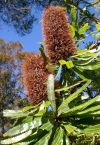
(20, 14)
(10, 79)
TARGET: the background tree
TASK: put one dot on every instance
(19, 14)
(12, 11)
(11, 90)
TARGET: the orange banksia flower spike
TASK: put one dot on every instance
(34, 77)
(56, 33)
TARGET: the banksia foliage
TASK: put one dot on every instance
(34, 77)
(56, 33)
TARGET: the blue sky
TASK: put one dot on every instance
(30, 41)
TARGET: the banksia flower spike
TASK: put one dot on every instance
(56, 33)
(34, 77)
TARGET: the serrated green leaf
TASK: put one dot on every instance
(27, 119)
(84, 28)
(72, 31)
(80, 73)
(81, 107)
(44, 140)
(90, 110)
(67, 88)
(67, 141)
(98, 26)
(58, 139)
(44, 105)
(14, 113)
(24, 127)
(65, 103)
(27, 108)
(47, 126)
(92, 129)
(90, 66)
(70, 129)
(73, 15)
(17, 138)
(50, 91)
(40, 113)
(81, 52)
(86, 61)
(22, 143)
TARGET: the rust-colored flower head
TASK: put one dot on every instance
(34, 77)
(56, 33)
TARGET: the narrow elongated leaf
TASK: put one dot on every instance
(50, 91)
(81, 52)
(58, 139)
(90, 110)
(82, 106)
(27, 119)
(72, 30)
(24, 127)
(44, 105)
(90, 66)
(81, 73)
(85, 115)
(86, 61)
(17, 138)
(98, 26)
(72, 97)
(44, 140)
(85, 57)
(73, 15)
(27, 108)
(40, 113)
(23, 143)
(70, 129)
(14, 113)
(92, 129)
(47, 126)
(84, 28)
(66, 88)
(59, 71)
(67, 141)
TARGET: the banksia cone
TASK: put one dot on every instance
(56, 33)
(35, 76)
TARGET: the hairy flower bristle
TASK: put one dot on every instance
(56, 33)
(34, 77)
